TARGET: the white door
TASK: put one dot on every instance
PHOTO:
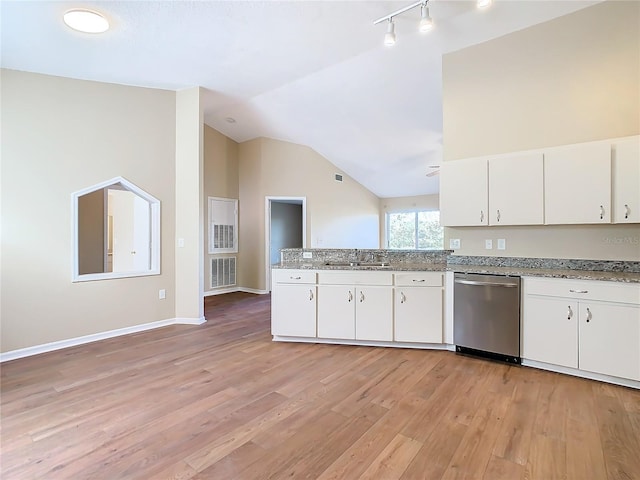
(374, 313)
(610, 339)
(418, 314)
(131, 231)
(336, 311)
(516, 190)
(463, 193)
(577, 184)
(550, 330)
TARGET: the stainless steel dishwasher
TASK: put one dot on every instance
(486, 316)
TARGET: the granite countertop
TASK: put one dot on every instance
(614, 276)
(627, 277)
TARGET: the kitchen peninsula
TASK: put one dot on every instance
(404, 299)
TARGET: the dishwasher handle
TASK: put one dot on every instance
(491, 284)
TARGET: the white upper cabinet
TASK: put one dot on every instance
(626, 180)
(516, 190)
(577, 184)
(463, 193)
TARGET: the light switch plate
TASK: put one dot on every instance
(502, 244)
(162, 294)
(488, 244)
(307, 255)
(454, 243)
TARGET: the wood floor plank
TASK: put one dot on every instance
(223, 401)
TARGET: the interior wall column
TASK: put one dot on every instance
(189, 287)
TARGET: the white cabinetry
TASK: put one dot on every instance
(355, 305)
(516, 190)
(589, 325)
(626, 180)
(577, 184)
(293, 303)
(418, 307)
(463, 193)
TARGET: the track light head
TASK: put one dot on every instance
(426, 22)
(390, 36)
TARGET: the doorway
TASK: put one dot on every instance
(286, 219)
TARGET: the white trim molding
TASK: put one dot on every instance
(94, 337)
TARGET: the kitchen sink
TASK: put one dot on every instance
(358, 264)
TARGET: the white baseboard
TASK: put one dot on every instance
(72, 342)
(220, 291)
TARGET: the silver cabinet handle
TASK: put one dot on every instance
(310, 294)
(418, 281)
(601, 212)
(295, 278)
(578, 291)
(498, 215)
(589, 316)
(481, 216)
(361, 297)
(350, 296)
(402, 297)
(627, 211)
(569, 313)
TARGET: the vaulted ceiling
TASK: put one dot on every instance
(310, 72)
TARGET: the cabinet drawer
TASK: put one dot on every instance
(294, 276)
(583, 289)
(419, 279)
(355, 278)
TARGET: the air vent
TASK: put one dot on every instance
(338, 177)
(223, 272)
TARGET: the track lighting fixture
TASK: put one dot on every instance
(390, 36)
(426, 23)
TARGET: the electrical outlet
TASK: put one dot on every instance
(162, 294)
(488, 244)
(307, 255)
(454, 243)
(502, 244)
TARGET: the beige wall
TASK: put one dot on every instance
(58, 136)
(189, 285)
(573, 79)
(405, 204)
(339, 215)
(220, 180)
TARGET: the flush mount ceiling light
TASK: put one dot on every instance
(426, 23)
(483, 3)
(86, 21)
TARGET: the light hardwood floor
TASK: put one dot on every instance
(222, 401)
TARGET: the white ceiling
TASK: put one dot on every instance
(310, 72)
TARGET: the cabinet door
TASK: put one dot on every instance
(610, 339)
(418, 314)
(550, 330)
(374, 313)
(516, 190)
(336, 311)
(626, 181)
(293, 310)
(577, 184)
(463, 193)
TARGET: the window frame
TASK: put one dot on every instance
(415, 227)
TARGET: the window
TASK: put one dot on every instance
(414, 231)
(223, 225)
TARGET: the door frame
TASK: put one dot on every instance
(267, 230)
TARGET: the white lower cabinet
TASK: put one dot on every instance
(293, 303)
(355, 306)
(587, 325)
(418, 307)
